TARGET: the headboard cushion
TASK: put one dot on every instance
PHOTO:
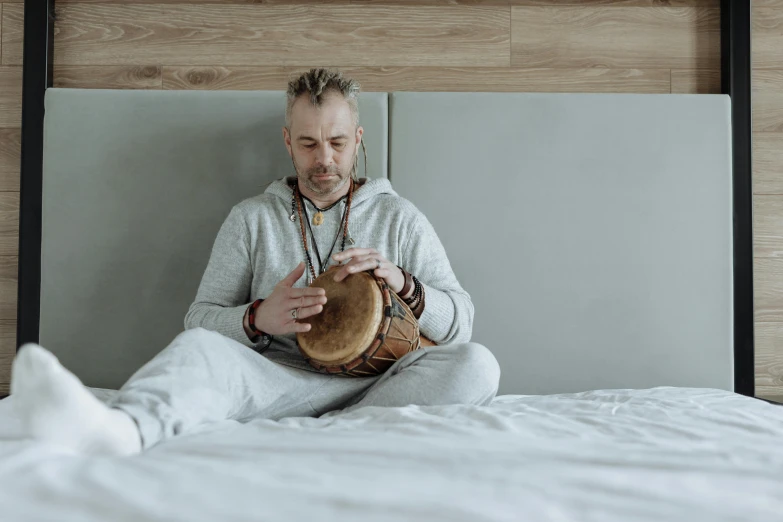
(593, 231)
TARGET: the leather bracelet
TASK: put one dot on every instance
(265, 338)
(406, 287)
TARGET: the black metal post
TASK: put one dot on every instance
(736, 82)
(36, 78)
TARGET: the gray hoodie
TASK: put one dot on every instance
(258, 245)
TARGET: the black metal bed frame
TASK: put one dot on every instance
(735, 81)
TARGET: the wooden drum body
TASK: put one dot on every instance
(363, 329)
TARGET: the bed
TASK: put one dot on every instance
(656, 454)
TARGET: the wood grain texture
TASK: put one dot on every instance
(768, 289)
(767, 100)
(7, 353)
(108, 77)
(769, 359)
(767, 37)
(8, 285)
(768, 226)
(634, 37)
(9, 223)
(490, 79)
(12, 34)
(695, 81)
(767, 163)
(10, 158)
(10, 97)
(102, 34)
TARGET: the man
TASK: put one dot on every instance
(238, 358)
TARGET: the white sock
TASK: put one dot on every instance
(58, 410)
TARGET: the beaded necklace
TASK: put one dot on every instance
(321, 268)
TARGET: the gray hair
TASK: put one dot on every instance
(316, 84)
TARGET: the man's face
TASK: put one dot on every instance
(322, 143)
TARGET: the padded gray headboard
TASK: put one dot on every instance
(593, 231)
(135, 187)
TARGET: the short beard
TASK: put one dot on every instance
(326, 188)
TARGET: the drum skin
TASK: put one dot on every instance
(363, 329)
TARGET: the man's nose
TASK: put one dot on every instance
(324, 155)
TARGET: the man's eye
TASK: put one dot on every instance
(338, 145)
(310, 146)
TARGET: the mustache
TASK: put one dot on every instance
(332, 169)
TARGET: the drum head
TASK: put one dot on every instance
(349, 321)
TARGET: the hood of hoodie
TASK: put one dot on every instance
(366, 189)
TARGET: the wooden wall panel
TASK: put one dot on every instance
(12, 39)
(769, 363)
(768, 99)
(8, 286)
(768, 163)
(589, 36)
(108, 76)
(10, 157)
(176, 34)
(767, 84)
(10, 97)
(9, 223)
(767, 37)
(695, 81)
(768, 226)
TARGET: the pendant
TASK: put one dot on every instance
(292, 217)
(309, 279)
(318, 219)
(351, 241)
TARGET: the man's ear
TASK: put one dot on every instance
(359, 133)
(287, 140)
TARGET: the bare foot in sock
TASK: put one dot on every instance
(58, 410)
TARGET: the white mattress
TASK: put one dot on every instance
(658, 454)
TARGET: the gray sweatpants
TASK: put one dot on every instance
(203, 377)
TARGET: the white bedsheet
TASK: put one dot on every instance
(614, 455)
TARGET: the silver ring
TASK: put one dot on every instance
(379, 264)
(295, 313)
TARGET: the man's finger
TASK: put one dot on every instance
(298, 327)
(353, 252)
(310, 311)
(340, 275)
(304, 302)
(310, 291)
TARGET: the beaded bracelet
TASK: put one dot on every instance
(266, 339)
(419, 308)
(416, 292)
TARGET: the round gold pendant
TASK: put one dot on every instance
(318, 219)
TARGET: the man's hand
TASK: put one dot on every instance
(362, 259)
(274, 316)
